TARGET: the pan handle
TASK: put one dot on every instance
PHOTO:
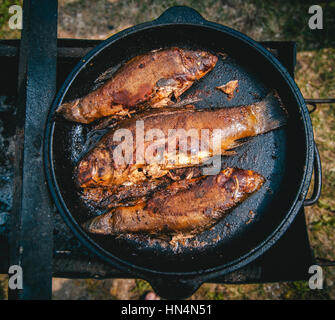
(174, 288)
(317, 179)
(180, 14)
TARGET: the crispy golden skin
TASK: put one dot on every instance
(153, 78)
(99, 168)
(187, 206)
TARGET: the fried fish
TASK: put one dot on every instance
(187, 206)
(100, 168)
(153, 78)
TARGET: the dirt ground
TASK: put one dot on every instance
(315, 76)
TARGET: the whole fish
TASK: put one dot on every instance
(100, 167)
(153, 78)
(185, 207)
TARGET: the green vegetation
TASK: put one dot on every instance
(262, 20)
(300, 291)
(5, 32)
(141, 287)
(3, 287)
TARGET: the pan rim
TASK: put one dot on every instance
(206, 273)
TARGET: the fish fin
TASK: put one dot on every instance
(107, 122)
(235, 144)
(272, 113)
(229, 152)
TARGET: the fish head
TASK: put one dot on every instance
(95, 169)
(239, 181)
(198, 62)
(101, 224)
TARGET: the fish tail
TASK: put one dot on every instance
(71, 111)
(271, 113)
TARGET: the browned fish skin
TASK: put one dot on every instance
(121, 195)
(127, 195)
(187, 209)
(97, 168)
(154, 78)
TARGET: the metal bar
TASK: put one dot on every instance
(320, 101)
(31, 240)
(325, 262)
(68, 48)
(314, 102)
(317, 179)
(286, 53)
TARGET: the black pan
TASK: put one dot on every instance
(284, 157)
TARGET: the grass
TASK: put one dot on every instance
(3, 287)
(316, 79)
(141, 287)
(5, 31)
(300, 291)
(262, 20)
(315, 76)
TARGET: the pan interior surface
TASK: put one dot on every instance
(279, 155)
